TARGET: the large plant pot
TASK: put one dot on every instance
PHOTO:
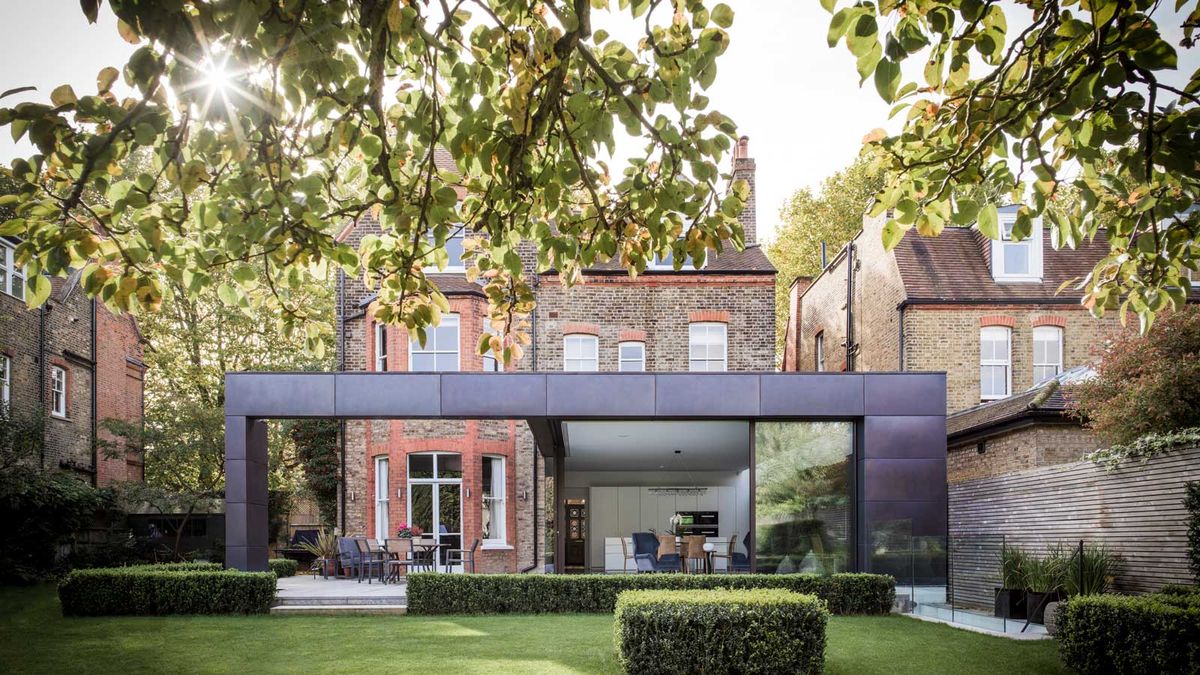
(329, 567)
(1010, 603)
(1035, 605)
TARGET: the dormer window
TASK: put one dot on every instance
(666, 263)
(1017, 260)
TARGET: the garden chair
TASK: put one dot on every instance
(735, 561)
(348, 558)
(399, 556)
(368, 559)
(462, 556)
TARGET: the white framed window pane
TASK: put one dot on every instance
(454, 251)
(493, 522)
(440, 353)
(994, 362)
(5, 379)
(1016, 259)
(1047, 352)
(58, 391)
(381, 498)
(580, 353)
(380, 347)
(632, 356)
(706, 349)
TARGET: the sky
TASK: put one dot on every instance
(797, 99)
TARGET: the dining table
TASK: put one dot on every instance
(427, 553)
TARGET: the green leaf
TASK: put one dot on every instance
(829, 5)
(722, 15)
(989, 222)
(887, 79)
(63, 95)
(37, 289)
(228, 295)
(105, 78)
(371, 146)
(893, 232)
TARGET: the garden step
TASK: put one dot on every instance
(346, 600)
(338, 610)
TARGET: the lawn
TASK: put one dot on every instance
(34, 638)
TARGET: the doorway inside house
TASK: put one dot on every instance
(435, 498)
(576, 548)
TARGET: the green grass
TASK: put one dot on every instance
(34, 638)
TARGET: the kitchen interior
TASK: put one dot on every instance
(634, 476)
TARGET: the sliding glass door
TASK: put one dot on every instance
(435, 498)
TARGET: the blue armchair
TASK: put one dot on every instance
(740, 562)
(645, 554)
(349, 557)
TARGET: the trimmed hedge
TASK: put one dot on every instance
(283, 567)
(174, 567)
(1126, 634)
(720, 631)
(149, 590)
(430, 593)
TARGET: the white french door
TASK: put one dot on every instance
(435, 498)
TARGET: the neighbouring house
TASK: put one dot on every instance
(464, 480)
(988, 313)
(76, 363)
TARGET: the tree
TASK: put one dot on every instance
(273, 124)
(1145, 384)
(833, 216)
(1080, 95)
(316, 443)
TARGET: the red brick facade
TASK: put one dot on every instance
(100, 352)
(655, 308)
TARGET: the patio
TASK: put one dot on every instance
(305, 594)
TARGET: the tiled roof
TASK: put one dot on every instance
(955, 266)
(1043, 400)
(449, 284)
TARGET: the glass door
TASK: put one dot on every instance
(435, 498)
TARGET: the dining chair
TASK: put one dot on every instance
(727, 556)
(368, 559)
(462, 556)
(399, 557)
(668, 549)
(628, 556)
(693, 553)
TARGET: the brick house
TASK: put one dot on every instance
(482, 479)
(988, 313)
(75, 362)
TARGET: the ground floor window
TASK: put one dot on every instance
(381, 499)
(803, 477)
(494, 522)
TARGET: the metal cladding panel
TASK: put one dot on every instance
(246, 524)
(904, 394)
(706, 395)
(246, 482)
(493, 395)
(596, 395)
(246, 558)
(811, 395)
(378, 395)
(904, 437)
(280, 394)
(904, 480)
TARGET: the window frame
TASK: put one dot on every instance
(1058, 364)
(724, 360)
(457, 231)
(382, 498)
(5, 379)
(381, 348)
(594, 341)
(59, 398)
(819, 351)
(12, 277)
(502, 477)
(660, 264)
(1033, 245)
(415, 348)
(1006, 363)
(640, 361)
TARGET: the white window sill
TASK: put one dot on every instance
(496, 547)
(1017, 280)
(60, 417)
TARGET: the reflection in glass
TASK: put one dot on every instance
(802, 496)
(422, 506)
(420, 466)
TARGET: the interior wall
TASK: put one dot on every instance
(620, 503)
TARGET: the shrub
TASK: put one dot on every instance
(177, 567)
(1125, 634)
(150, 590)
(283, 567)
(1146, 383)
(720, 631)
(552, 593)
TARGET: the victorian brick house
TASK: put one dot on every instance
(988, 313)
(76, 364)
(464, 480)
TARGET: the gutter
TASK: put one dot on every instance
(341, 366)
(95, 406)
(900, 308)
(42, 375)
(534, 471)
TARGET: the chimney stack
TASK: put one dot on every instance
(743, 169)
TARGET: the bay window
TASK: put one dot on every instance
(440, 351)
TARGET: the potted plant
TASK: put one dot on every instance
(1010, 597)
(325, 549)
(1044, 579)
(407, 531)
(1090, 571)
